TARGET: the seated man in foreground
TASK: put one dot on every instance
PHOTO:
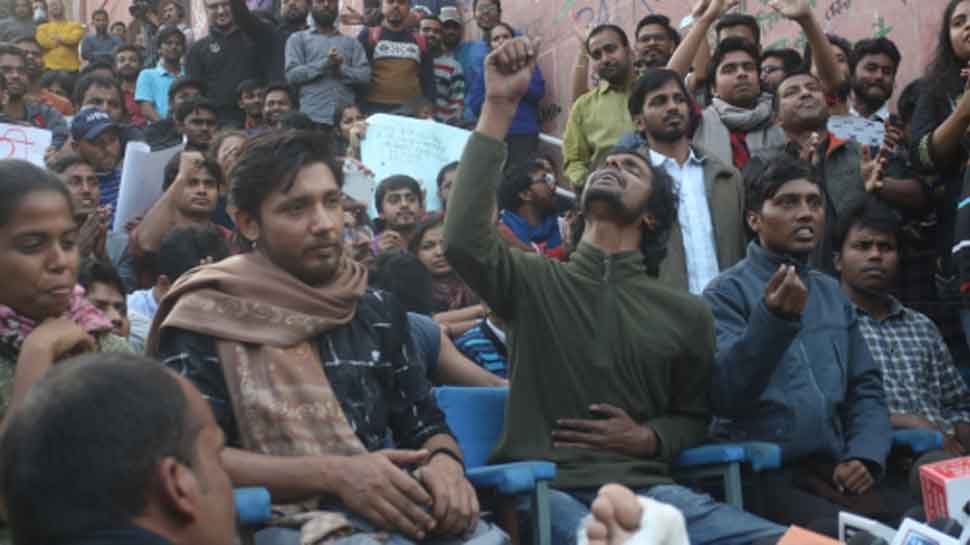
(923, 387)
(630, 353)
(793, 367)
(144, 464)
(308, 371)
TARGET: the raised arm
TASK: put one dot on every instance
(161, 217)
(474, 248)
(800, 11)
(241, 15)
(705, 13)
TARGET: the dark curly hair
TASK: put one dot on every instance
(662, 205)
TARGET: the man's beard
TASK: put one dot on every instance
(664, 134)
(654, 59)
(804, 123)
(128, 74)
(861, 93)
(324, 19)
(613, 200)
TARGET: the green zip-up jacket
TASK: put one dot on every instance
(594, 330)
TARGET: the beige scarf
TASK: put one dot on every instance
(264, 321)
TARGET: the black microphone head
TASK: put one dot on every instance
(863, 537)
(948, 526)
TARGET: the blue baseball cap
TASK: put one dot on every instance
(90, 122)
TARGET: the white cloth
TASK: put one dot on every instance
(694, 216)
(660, 524)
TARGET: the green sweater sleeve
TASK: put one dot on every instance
(686, 421)
(472, 244)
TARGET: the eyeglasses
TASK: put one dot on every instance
(487, 10)
(547, 179)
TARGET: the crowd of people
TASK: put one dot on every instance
(734, 243)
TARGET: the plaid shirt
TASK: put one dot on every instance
(919, 376)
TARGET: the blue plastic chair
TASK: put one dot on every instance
(476, 416)
(254, 510)
(253, 506)
(725, 461)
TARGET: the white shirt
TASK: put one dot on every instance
(694, 216)
(879, 117)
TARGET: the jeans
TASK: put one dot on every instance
(708, 522)
(484, 534)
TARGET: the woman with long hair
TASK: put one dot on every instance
(941, 147)
(456, 307)
(44, 317)
(349, 131)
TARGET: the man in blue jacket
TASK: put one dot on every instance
(792, 366)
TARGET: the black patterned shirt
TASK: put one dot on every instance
(369, 362)
(919, 376)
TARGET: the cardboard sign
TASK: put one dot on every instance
(416, 147)
(142, 174)
(26, 143)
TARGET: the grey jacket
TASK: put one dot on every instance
(725, 199)
(811, 386)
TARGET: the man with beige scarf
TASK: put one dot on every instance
(308, 371)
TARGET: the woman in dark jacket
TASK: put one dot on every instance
(941, 148)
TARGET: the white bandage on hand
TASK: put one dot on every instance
(660, 524)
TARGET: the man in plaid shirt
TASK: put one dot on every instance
(923, 387)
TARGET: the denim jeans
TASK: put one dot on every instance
(708, 522)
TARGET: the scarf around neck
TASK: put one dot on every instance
(547, 234)
(741, 119)
(449, 292)
(265, 322)
(15, 327)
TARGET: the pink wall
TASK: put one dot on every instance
(912, 24)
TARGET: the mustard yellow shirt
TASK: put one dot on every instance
(597, 121)
(62, 55)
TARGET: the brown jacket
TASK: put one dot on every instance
(725, 199)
